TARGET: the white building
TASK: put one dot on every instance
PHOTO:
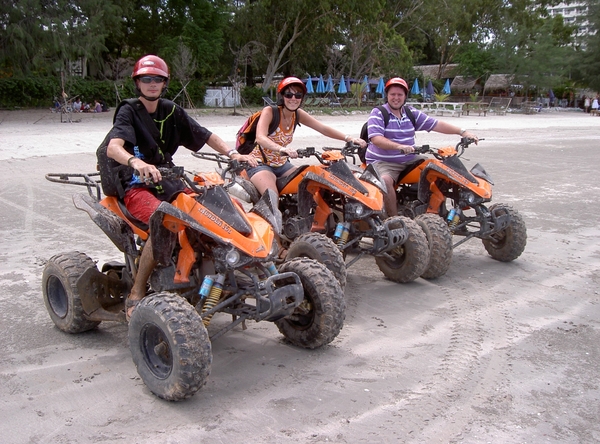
(575, 14)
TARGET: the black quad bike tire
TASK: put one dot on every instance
(411, 258)
(59, 289)
(439, 237)
(170, 346)
(319, 247)
(507, 245)
(319, 319)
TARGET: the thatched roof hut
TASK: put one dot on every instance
(498, 81)
(460, 83)
(437, 71)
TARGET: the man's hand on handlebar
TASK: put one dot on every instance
(245, 158)
(147, 173)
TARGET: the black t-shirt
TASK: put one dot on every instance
(175, 126)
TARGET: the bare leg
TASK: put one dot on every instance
(264, 180)
(391, 207)
(147, 264)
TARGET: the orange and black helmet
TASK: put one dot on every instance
(396, 81)
(288, 81)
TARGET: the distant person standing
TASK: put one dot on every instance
(595, 104)
(586, 104)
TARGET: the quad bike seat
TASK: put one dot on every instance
(283, 181)
(138, 223)
(411, 166)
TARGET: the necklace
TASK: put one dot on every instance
(287, 121)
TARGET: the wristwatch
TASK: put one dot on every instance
(462, 131)
(232, 152)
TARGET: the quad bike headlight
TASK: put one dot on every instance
(274, 250)
(356, 210)
(470, 198)
(232, 258)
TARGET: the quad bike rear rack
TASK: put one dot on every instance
(88, 182)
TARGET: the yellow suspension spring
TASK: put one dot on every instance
(343, 238)
(212, 299)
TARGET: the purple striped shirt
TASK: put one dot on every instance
(400, 131)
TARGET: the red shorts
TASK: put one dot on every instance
(141, 203)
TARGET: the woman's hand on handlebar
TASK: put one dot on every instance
(289, 152)
(357, 141)
(246, 158)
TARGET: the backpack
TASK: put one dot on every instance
(364, 132)
(246, 136)
(109, 168)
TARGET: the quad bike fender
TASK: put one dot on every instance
(176, 220)
(435, 171)
(267, 208)
(112, 203)
(99, 292)
(117, 230)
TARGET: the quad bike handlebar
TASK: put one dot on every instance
(349, 149)
(231, 166)
(460, 148)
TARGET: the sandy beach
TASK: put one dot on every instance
(489, 353)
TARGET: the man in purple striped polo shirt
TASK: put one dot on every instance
(391, 147)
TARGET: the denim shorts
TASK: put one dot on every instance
(278, 171)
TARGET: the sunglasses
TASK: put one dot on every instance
(152, 79)
(289, 95)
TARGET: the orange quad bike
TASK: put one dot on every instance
(214, 257)
(315, 246)
(453, 200)
(328, 198)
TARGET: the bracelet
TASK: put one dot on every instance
(346, 137)
(462, 131)
(232, 152)
(129, 161)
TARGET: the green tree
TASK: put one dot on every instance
(588, 61)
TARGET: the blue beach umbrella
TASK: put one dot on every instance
(446, 88)
(380, 87)
(429, 89)
(309, 86)
(329, 85)
(342, 86)
(415, 88)
(366, 82)
(321, 84)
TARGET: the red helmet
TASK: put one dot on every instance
(150, 65)
(290, 81)
(396, 81)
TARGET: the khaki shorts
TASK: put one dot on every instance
(389, 169)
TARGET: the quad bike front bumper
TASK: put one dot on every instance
(383, 236)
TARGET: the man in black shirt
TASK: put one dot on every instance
(133, 143)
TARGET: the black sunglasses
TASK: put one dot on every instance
(150, 79)
(289, 95)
